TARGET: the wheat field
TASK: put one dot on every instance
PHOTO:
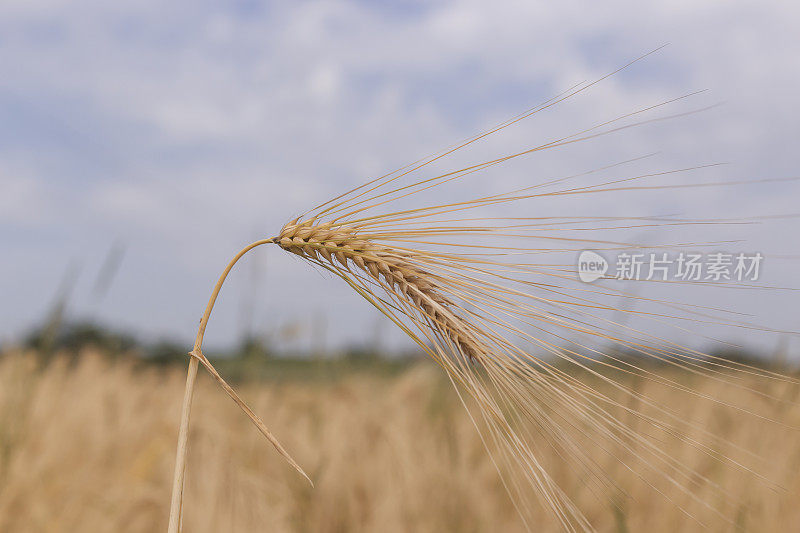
(87, 444)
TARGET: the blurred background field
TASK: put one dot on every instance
(87, 444)
(143, 144)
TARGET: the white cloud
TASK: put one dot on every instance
(200, 124)
(23, 201)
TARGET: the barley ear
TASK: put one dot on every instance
(197, 357)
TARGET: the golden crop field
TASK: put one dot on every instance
(88, 444)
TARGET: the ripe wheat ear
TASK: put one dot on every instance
(457, 286)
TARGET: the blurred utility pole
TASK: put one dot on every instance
(58, 309)
(108, 270)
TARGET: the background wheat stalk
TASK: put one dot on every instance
(464, 288)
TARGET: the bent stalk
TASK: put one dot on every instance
(175, 511)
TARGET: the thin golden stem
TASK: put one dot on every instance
(197, 357)
(180, 454)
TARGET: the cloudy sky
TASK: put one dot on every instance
(177, 132)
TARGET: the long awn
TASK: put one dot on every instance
(466, 288)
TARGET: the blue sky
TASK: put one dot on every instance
(185, 130)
